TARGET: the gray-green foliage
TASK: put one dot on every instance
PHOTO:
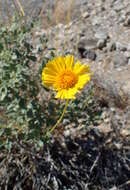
(19, 86)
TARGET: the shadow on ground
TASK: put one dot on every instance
(93, 162)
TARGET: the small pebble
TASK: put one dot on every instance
(111, 46)
(121, 46)
(127, 22)
(101, 43)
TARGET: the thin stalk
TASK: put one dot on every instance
(20, 7)
(7, 11)
(57, 21)
(68, 19)
(61, 117)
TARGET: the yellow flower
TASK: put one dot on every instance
(65, 77)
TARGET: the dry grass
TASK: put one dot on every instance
(60, 12)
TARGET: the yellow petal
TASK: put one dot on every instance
(80, 68)
(59, 63)
(69, 61)
(83, 79)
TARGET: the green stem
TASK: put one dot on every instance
(61, 117)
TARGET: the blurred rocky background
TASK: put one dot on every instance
(96, 32)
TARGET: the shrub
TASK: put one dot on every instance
(19, 83)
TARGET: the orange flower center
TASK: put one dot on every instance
(66, 79)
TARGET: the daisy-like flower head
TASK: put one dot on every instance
(65, 76)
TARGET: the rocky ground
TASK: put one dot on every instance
(96, 32)
(92, 161)
(99, 34)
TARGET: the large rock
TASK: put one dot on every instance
(87, 48)
(101, 34)
(120, 59)
(113, 85)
